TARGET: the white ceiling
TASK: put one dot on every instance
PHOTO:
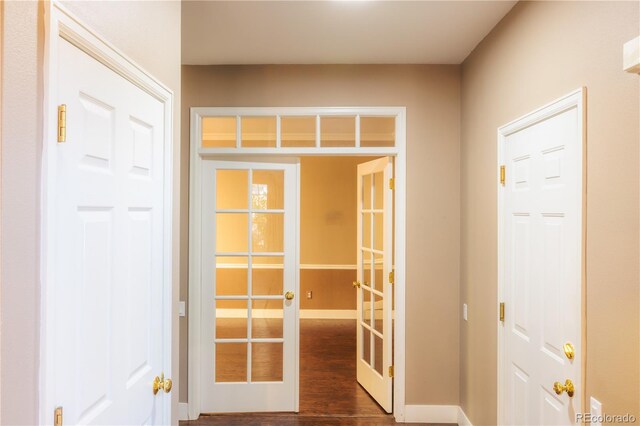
(335, 32)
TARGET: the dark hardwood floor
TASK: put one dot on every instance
(329, 392)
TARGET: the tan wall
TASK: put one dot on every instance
(149, 33)
(539, 52)
(431, 95)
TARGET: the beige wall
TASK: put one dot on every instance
(539, 52)
(432, 96)
(149, 33)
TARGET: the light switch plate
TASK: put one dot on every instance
(596, 412)
(464, 311)
(182, 308)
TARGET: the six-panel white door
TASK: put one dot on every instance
(374, 288)
(249, 279)
(107, 326)
(542, 270)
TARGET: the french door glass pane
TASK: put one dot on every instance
(231, 362)
(267, 232)
(377, 357)
(366, 345)
(378, 235)
(379, 278)
(258, 132)
(267, 189)
(232, 232)
(298, 132)
(377, 131)
(366, 268)
(337, 132)
(266, 318)
(366, 192)
(377, 312)
(267, 277)
(231, 319)
(366, 230)
(378, 185)
(366, 305)
(231, 276)
(219, 132)
(231, 189)
(266, 362)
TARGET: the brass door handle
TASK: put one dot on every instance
(162, 383)
(569, 351)
(289, 295)
(567, 387)
(356, 284)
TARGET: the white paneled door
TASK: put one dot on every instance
(374, 280)
(249, 335)
(542, 264)
(108, 330)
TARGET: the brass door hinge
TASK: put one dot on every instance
(391, 371)
(57, 417)
(392, 277)
(502, 311)
(392, 184)
(62, 123)
(502, 175)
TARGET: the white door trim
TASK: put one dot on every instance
(60, 23)
(197, 155)
(574, 99)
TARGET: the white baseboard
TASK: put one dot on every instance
(435, 414)
(183, 411)
(328, 313)
(463, 420)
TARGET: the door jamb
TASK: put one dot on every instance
(575, 99)
(60, 23)
(197, 155)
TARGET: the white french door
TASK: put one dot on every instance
(249, 279)
(542, 266)
(374, 283)
(107, 314)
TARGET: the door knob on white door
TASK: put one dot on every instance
(567, 387)
(162, 383)
(289, 295)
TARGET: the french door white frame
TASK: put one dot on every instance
(574, 99)
(62, 24)
(198, 155)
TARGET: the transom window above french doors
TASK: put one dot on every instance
(297, 130)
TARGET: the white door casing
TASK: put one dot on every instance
(249, 349)
(374, 340)
(541, 264)
(199, 154)
(106, 234)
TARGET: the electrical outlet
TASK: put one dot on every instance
(596, 412)
(464, 311)
(309, 294)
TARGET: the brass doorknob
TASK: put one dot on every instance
(356, 284)
(567, 387)
(569, 351)
(162, 383)
(289, 295)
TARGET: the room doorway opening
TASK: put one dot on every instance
(292, 282)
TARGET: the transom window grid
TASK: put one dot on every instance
(293, 131)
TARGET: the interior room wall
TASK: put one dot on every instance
(149, 32)
(537, 53)
(432, 97)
